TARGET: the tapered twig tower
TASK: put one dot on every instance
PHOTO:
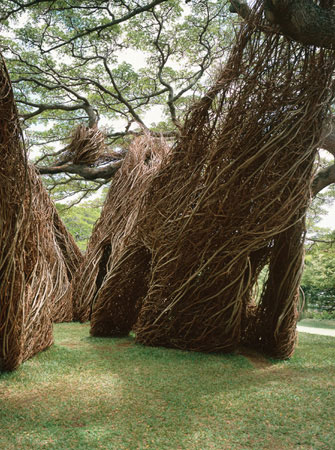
(38, 256)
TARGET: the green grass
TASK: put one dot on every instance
(318, 323)
(92, 393)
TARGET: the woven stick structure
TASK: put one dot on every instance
(230, 200)
(36, 256)
(58, 248)
(270, 326)
(71, 254)
(117, 226)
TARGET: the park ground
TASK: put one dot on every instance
(322, 327)
(93, 393)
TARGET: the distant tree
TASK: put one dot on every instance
(79, 220)
(318, 281)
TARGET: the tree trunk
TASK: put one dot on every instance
(303, 21)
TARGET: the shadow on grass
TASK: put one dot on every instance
(90, 393)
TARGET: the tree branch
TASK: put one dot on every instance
(99, 28)
(323, 178)
(45, 107)
(21, 7)
(89, 173)
(319, 240)
(328, 142)
(302, 20)
(119, 96)
(240, 7)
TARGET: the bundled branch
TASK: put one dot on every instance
(230, 200)
(87, 145)
(34, 277)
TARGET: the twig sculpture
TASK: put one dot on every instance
(117, 227)
(37, 255)
(230, 200)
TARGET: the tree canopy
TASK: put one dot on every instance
(75, 65)
(78, 64)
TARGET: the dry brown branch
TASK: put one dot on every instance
(87, 145)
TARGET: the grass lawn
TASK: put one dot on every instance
(92, 393)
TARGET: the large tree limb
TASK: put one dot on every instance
(326, 175)
(40, 108)
(240, 7)
(329, 143)
(323, 179)
(89, 173)
(301, 20)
